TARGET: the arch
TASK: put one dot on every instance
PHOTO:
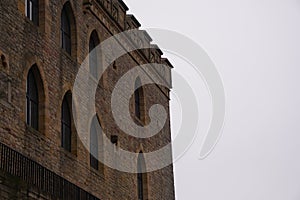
(35, 100)
(68, 29)
(142, 180)
(94, 40)
(66, 95)
(93, 55)
(68, 138)
(32, 101)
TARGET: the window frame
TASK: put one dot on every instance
(32, 11)
(32, 101)
(137, 99)
(66, 125)
(94, 144)
(142, 180)
(93, 54)
(66, 31)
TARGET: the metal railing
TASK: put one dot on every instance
(36, 175)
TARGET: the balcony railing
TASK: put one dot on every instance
(38, 176)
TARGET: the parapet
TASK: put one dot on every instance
(117, 9)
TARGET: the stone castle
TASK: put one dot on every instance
(42, 45)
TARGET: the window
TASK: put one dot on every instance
(32, 101)
(66, 124)
(65, 31)
(141, 177)
(140, 186)
(68, 30)
(93, 60)
(94, 144)
(137, 98)
(32, 10)
(35, 111)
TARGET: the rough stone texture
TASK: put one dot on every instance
(22, 44)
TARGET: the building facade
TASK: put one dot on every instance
(42, 45)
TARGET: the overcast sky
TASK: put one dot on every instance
(255, 45)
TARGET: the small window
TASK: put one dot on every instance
(140, 186)
(142, 182)
(65, 31)
(137, 98)
(66, 130)
(32, 10)
(93, 55)
(94, 146)
(32, 101)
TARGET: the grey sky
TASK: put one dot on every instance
(255, 45)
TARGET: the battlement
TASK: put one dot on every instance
(132, 22)
(117, 10)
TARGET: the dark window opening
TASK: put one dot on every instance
(140, 186)
(65, 31)
(137, 98)
(32, 10)
(94, 145)
(66, 125)
(141, 177)
(32, 101)
(93, 60)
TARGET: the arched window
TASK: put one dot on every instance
(95, 132)
(141, 177)
(66, 126)
(35, 100)
(32, 101)
(32, 10)
(65, 30)
(93, 60)
(137, 98)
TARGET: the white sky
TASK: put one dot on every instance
(255, 45)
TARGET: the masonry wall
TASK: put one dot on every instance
(23, 44)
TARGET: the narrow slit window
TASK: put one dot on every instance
(137, 98)
(66, 125)
(94, 146)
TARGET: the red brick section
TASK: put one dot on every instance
(22, 45)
